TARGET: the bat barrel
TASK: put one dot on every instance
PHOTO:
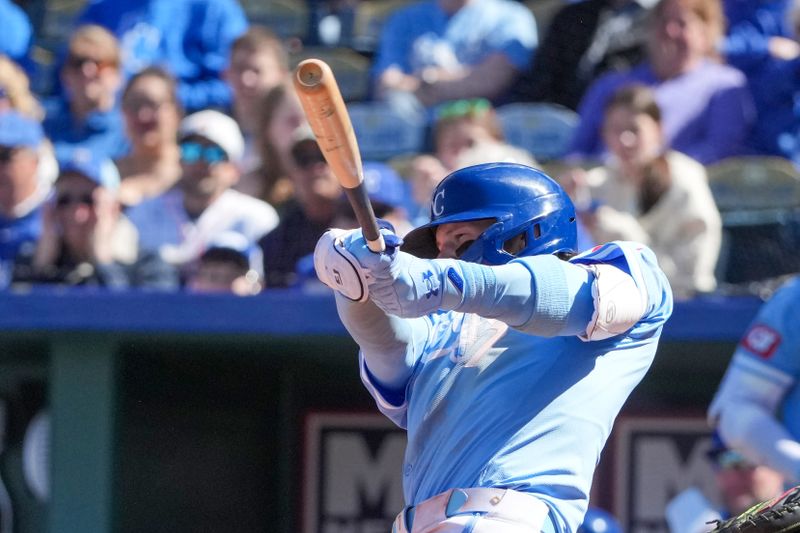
(310, 73)
(325, 110)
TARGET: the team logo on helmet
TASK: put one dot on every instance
(438, 203)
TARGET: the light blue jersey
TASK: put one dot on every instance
(773, 342)
(423, 35)
(756, 408)
(490, 406)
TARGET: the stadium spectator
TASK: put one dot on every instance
(438, 50)
(229, 265)
(682, 60)
(189, 38)
(181, 223)
(258, 63)
(85, 239)
(15, 93)
(152, 114)
(88, 115)
(773, 77)
(279, 117)
(462, 127)
(584, 40)
(306, 217)
(17, 34)
(741, 484)
(22, 193)
(648, 194)
(756, 31)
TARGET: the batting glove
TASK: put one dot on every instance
(339, 269)
(403, 285)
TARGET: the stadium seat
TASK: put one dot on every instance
(287, 18)
(544, 11)
(369, 19)
(759, 201)
(545, 130)
(383, 133)
(350, 68)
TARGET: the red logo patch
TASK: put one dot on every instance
(762, 341)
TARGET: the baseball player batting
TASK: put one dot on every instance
(504, 355)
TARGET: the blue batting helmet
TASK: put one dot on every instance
(520, 199)
(599, 521)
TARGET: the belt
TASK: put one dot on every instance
(512, 505)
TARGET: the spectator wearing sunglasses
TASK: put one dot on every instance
(87, 115)
(21, 192)
(181, 223)
(85, 239)
(740, 484)
(306, 216)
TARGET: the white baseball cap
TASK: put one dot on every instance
(218, 128)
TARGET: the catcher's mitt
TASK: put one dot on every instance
(778, 515)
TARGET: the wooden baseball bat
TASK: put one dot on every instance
(326, 113)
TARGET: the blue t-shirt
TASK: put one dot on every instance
(423, 35)
(490, 406)
(16, 233)
(102, 133)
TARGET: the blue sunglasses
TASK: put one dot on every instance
(192, 152)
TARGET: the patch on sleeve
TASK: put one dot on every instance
(762, 341)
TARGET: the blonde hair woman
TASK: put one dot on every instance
(15, 94)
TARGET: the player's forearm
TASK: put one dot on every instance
(541, 295)
(389, 344)
(754, 430)
(489, 79)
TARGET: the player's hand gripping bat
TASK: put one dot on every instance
(326, 113)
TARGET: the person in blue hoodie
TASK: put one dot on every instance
(774, 80)
(190, 38)
(756, 30)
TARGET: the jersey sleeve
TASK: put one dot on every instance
(765, 364)
(758, 384)
(773, 338)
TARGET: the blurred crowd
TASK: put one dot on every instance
(170, 152)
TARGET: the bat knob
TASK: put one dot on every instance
(309, 73)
